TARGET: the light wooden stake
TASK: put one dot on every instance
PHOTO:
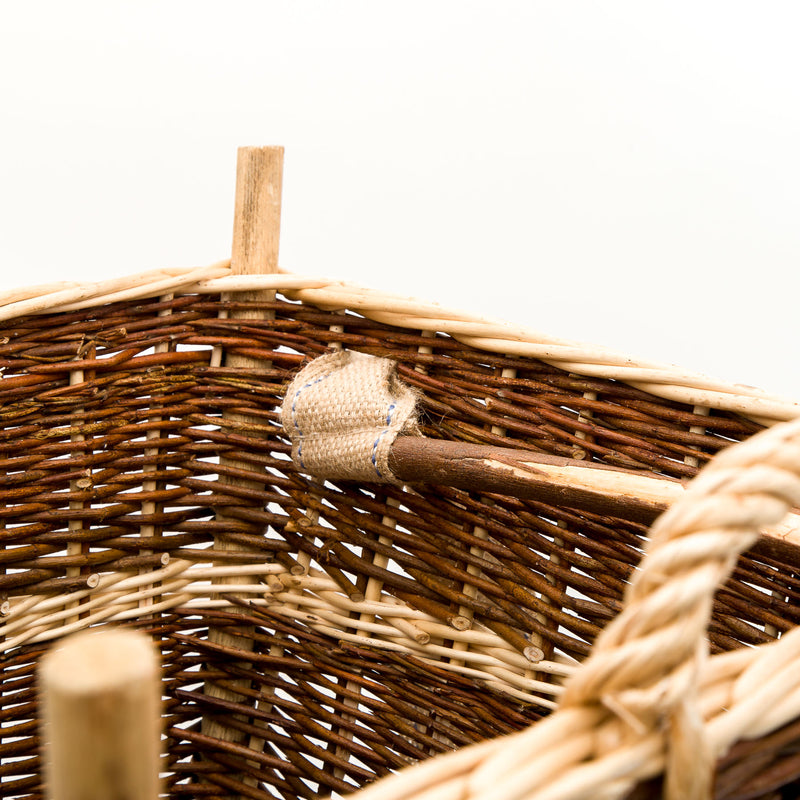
(256, 237)
(257, 213)
(101, 717)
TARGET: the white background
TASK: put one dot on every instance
(624, 173)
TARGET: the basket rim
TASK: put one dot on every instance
(664, 380)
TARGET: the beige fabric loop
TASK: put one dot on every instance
(343, 411)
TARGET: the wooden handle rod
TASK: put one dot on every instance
(533, 476)
(595, 488)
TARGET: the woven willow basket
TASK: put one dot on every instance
(318, 634)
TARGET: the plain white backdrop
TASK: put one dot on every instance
(624, 173)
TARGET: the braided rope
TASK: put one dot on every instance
(649, 699)
(662, 380)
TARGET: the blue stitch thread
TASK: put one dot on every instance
(374, 458)
(294, 418)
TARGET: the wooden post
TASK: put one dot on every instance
(101, 717)
(257, 212)
(256, 236)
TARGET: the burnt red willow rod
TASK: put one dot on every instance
(595, 488)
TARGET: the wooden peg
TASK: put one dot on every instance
(256, 236)
(257, 211)
(101, 717)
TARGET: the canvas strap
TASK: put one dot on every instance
(343, 411)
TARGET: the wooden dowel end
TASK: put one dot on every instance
(257, 212)
(101, 717)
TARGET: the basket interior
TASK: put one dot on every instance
(314, 635)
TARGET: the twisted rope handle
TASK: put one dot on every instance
(631, 710)
(645, 666)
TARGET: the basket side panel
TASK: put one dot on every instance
(386, 625)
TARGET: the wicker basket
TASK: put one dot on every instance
(317, 634)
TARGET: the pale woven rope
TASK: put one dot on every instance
(649, 699)
(342, 412)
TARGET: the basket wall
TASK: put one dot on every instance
(127, 437)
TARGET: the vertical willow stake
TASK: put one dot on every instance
(257, 214)
(256, 234)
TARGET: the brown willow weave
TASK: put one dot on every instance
(126, 435)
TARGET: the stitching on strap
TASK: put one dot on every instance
(294, 417)
(374, 457)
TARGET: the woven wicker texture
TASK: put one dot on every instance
(315, 636)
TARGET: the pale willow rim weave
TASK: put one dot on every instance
(663, 380)
(649, 699)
